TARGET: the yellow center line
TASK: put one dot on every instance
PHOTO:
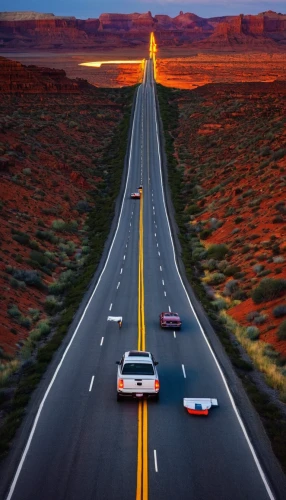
(142, 450)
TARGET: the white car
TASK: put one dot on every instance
(137, 376)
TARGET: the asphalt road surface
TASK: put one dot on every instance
(83, 445)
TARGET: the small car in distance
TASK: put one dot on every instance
(170, 320)
(137, 376)
(135, 196)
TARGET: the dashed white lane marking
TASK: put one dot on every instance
(159, 254)
(184, 373)
(126, 245)
(155, 461)
(91, 383)
(174, 335)
(165, 293)
(121, 271)
(118, 285)
(160, 268)
(169, 309)
(155, 235)
(163, 283)
(101, 342)
(123, 257)
(130, 223)
(157, 245)
(110, 307)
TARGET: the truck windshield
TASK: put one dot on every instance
(138, 369)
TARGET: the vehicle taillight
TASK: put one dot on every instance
(120, 383)
(157, 385)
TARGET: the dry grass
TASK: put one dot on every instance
(6, 370)
(255, 349)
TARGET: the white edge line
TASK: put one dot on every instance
(184, 372)
(101, 342)
(91, 383)
(19, 468)
(155, 461)
(255, 458)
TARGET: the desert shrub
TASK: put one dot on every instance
(268, 289)
(278, 219)
(198, 253)
(26, 322)
(277, 155)
(31, 278)
(278, 259)
(217, 251)
(258, 268)
(260, 319)
(44, 327)
(230, 287)
(21, 237)
(219, 304)
(251, 315)
(215, 278)
(17, 284)
(281, 333)
(14, 312)
(26, 171)
(47, 235)
(57, 288)
(34, 244)
(245, 249)
(205, 233)
(252, 332)
(231, 270)
(65, 227)
(39, 257)
(279, 311)
(238, 220)
(52, 306)
(83, 206)
(59, 225)
(35, 313)
(210, 264)
(239, 295)
(85, 250)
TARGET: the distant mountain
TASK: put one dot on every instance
(31, 30)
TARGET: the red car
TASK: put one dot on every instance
(135, 196)
(170, 320)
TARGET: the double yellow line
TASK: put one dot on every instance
(142, 451)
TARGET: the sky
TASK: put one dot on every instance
(83, 9)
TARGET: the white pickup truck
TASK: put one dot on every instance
(137, 376)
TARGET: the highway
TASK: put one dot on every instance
(84, 444)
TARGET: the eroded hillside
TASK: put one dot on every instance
(231, 146)
(51, 148)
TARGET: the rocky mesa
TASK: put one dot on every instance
(30, 30)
